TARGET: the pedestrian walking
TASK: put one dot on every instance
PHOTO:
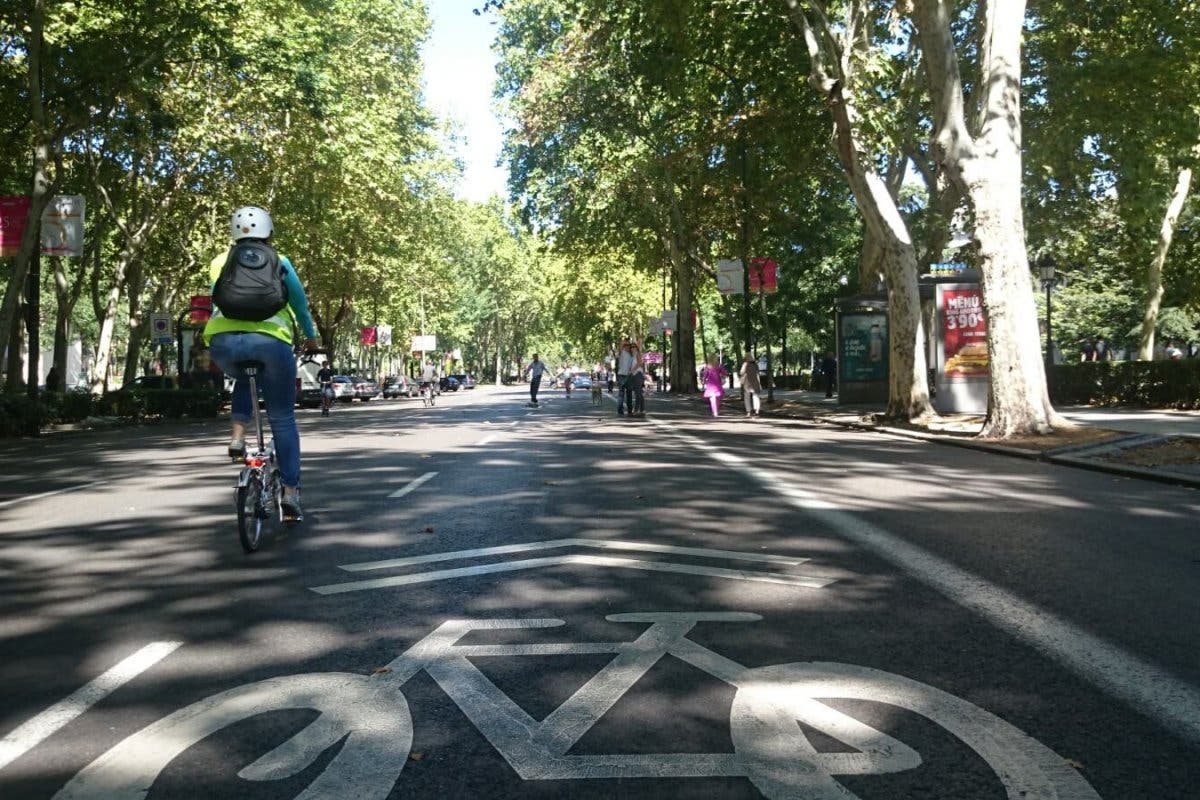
(534, 371)
(625, 363)
(829, 371)
(637, 385)
(751, 386)
(713, 377)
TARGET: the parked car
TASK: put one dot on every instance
(583, 380)
(465, 380)
(400, 386)
(449, 383)
(365, 389)
(343, 388)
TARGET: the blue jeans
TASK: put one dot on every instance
(637, 384)
(624, 394)
(277, 382)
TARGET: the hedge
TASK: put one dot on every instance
(1147, 384)
(21, 416)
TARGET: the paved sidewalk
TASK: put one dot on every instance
(1119, 432)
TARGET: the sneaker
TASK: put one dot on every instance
(237, 449)
(292, 512)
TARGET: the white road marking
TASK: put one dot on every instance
(373, 721)
(551, 544)
(1146, 687)
(27, 498)
(486, 440)
(574, 558)
(39, 728)
(412, 486)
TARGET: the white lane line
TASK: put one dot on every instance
(36, 730)
(575, 558)
(1145, 687)
(599, 544)
(486, 439)
(413, 485)
(30, 497)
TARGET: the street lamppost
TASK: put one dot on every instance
(1049, 281)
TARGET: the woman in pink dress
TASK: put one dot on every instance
(713, 378)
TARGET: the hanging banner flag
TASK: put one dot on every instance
(730, 277)
(370, 334)
(13, 213)
(655, 326)
(670, 320)
(384, 333)
(62, 226)
(763, 275)
(200, 309)
(424, 343)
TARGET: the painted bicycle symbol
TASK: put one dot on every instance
(770, 748)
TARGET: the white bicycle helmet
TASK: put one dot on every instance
(250, 222)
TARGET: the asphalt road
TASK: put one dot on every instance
(488, 600)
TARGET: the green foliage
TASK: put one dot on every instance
(21, 416)
(1150, 384)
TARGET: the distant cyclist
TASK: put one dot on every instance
(325, 381)
(258, 306)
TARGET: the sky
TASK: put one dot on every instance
(459, 73)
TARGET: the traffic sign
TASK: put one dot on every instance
(160, 329)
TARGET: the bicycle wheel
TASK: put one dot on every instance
(250, 521)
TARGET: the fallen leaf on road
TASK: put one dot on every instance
(416, 756)
(426, 455)
(550, 483)
(1073, 764)
(429, 529)
(382, 671)
(639, 497)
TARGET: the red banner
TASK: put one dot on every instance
(764, 275)
(14, 211)
(370, 335)
(200, 309)
(964, 333)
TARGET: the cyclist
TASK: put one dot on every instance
(325, 379)
(232, 341)
(429, 379)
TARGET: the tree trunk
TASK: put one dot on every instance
(908, 391)
(137, 324)
(108, 321)
(987, 169)
(33, 324)
(41, 189)
(1154, 284)
(499, 354)
(871, 267)
(14, 366)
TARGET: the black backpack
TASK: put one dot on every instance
(250, 286)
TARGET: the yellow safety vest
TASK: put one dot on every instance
(282, 326)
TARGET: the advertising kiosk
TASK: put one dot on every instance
(862, 349)
(960, 354)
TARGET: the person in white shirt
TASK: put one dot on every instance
(626, 361)
(535, 370)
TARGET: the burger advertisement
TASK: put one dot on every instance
(964, 333)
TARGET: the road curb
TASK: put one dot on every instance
(1139, 473)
